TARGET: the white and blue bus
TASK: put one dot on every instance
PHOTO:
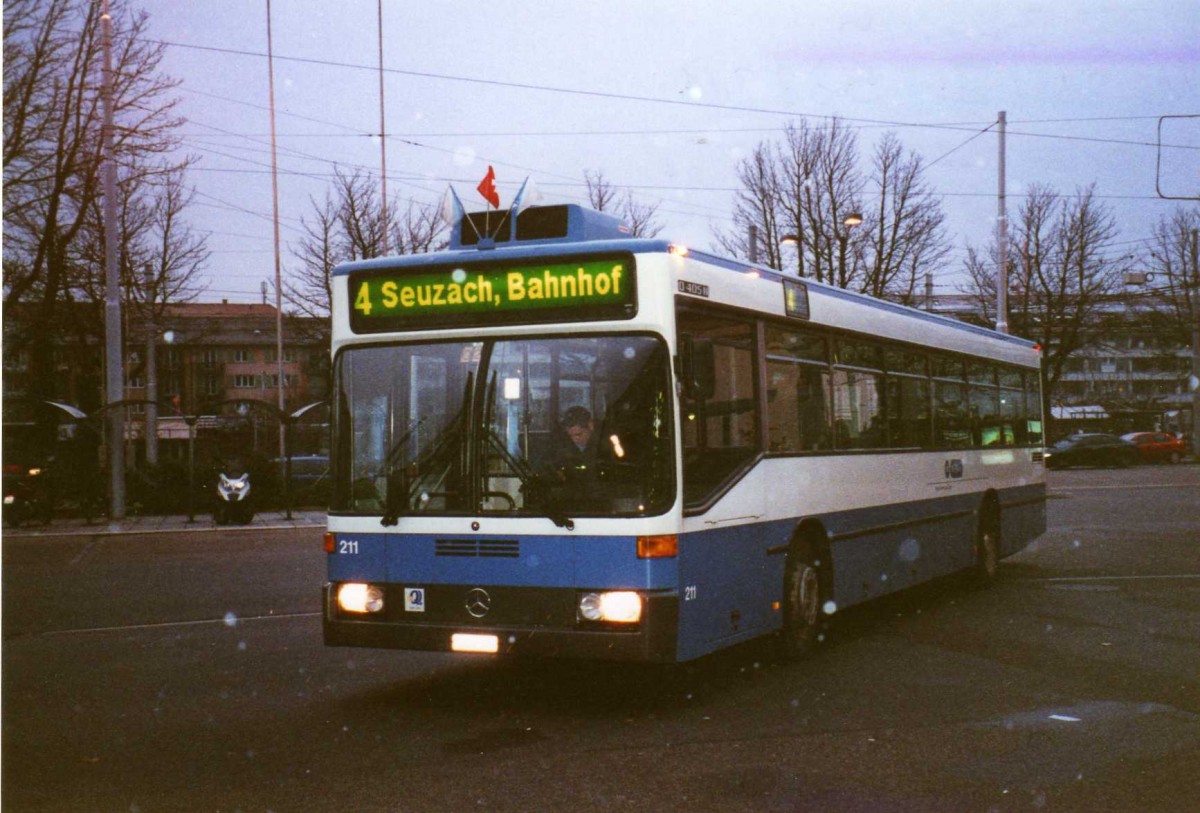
(561, 441)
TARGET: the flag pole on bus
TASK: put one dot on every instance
(527, 196)
(487, 188)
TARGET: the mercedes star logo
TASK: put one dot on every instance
(478, 602)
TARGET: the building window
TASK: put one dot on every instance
(242, 355)
(16, 359)
(245, 382)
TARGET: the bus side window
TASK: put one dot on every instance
(719, 422)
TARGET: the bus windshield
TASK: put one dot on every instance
(556, 427)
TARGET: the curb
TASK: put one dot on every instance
(142, 527)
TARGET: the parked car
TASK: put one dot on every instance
(1157, 447)
(1092, 449)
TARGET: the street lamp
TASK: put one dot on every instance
(797, 241)
(849, 221)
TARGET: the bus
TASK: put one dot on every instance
(553, 439)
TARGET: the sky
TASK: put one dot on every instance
(665, 98)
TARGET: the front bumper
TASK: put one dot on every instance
(537, 622)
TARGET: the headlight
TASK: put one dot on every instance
(617, 607)
(360, 598)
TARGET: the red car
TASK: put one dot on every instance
(1156, 447)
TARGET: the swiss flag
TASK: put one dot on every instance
(487, 188)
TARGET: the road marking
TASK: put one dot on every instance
(1077, 579)
(87, 549)
(1129, 487)
(167, 624)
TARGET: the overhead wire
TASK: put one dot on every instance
(569, 181)
(969, 127)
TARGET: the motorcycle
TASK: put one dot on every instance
(26, 495)
(233, 497)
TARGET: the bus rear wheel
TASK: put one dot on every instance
(802, 599)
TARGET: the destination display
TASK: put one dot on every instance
(560, 291)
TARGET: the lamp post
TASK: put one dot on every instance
(151, 373)
(797, 241)
(849, 222)
(1194, 299)
(190, 420)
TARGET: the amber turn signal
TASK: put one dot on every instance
(658, 547)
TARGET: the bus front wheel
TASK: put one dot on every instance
(802, 599)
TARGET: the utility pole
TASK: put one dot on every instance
(113, 355)
(1194, 382)
(151, 373)
(383, 207)
(278, 260)
(1002, 241)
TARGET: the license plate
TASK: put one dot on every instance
(473, 642)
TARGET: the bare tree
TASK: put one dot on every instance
(418, 231)
(601, 194)
(802, 190)
(359, 214)
(756, 211)
(638, 215)
(346, 225)
(904, 237)
(52, 121)
(1175, 285)
(833, 192)
(1060, 276)
(319, 251)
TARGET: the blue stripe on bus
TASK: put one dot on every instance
(539, 561)
(728, 578)
(735, 574)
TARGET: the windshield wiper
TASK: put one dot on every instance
(400, 488)
(533, 483)
(530, 480)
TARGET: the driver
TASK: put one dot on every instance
(575, 460)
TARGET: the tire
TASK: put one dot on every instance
(987, 546)
(1174, 458)
(803, 614)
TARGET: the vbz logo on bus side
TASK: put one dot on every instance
(954, 469)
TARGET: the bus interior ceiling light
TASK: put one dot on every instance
(616, 607)
(355, 597)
